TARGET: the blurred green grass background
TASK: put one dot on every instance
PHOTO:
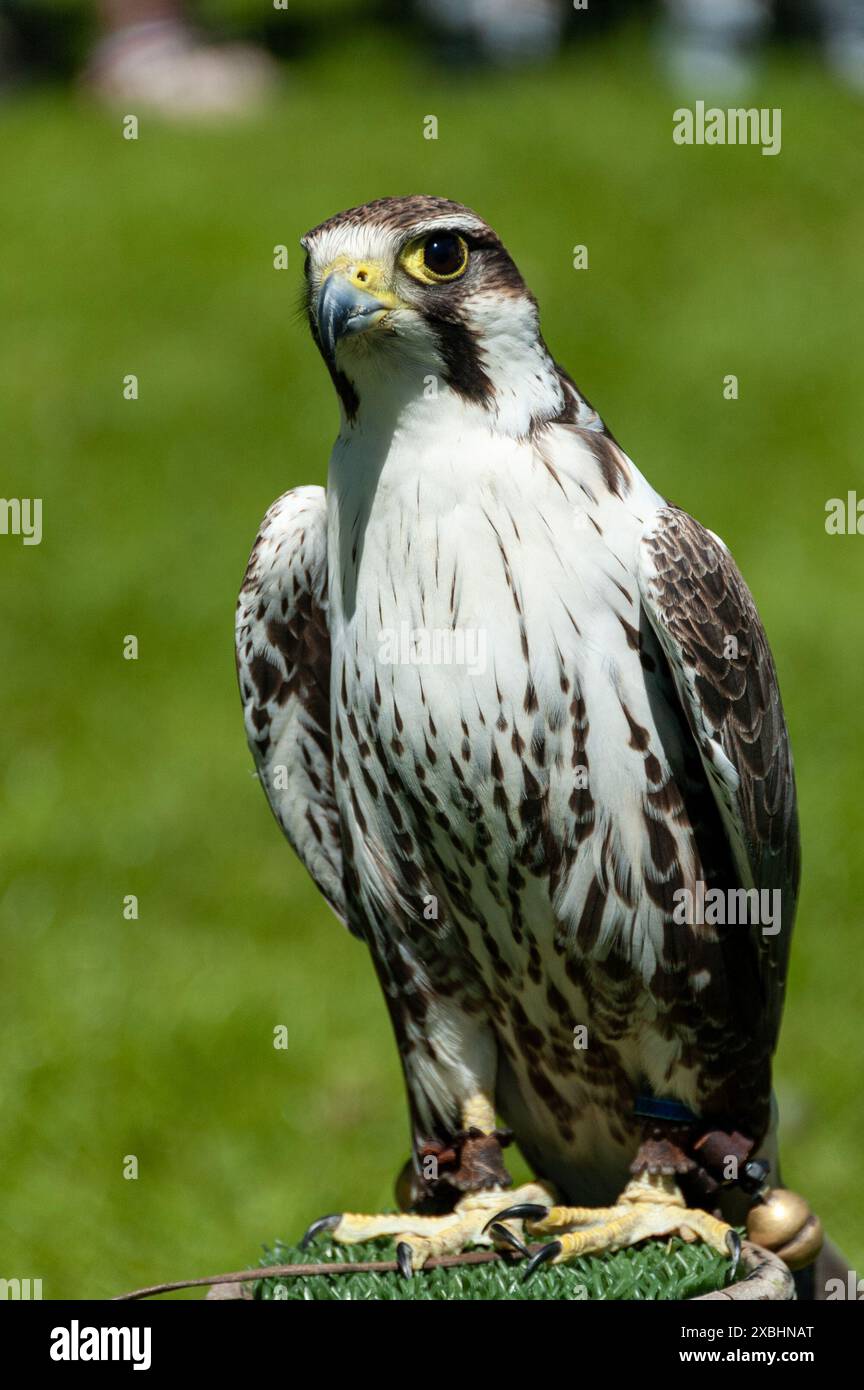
(155, 1037)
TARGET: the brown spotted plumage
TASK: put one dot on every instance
(511, 831)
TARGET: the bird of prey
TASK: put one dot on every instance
(517, 715)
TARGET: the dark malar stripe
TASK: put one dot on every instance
(463, 366)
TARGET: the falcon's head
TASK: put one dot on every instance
(415, 298)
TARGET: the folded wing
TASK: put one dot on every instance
(706, 621)
(283, 665)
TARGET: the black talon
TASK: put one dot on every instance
(523, 1211)
(324, 1223)
(508, 1237)
(403, 1260)
(733, 1245)
(547, 1252)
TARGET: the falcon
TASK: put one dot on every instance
(518, 717)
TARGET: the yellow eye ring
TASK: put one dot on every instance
(436, 257)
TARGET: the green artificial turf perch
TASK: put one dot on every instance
(655, 1270)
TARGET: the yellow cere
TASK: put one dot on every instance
(372, 276)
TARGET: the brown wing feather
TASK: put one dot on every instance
(283, 664)
(706, 621)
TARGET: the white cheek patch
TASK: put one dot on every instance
(492, 314)
(507, 330)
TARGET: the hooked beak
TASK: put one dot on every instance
(344, 309)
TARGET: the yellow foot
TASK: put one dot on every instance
(473, 1221)
(650, 1205)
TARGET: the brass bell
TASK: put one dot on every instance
(782, 1221)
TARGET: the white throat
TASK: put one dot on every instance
(403, 382)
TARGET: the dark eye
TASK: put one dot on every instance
(445, 255)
